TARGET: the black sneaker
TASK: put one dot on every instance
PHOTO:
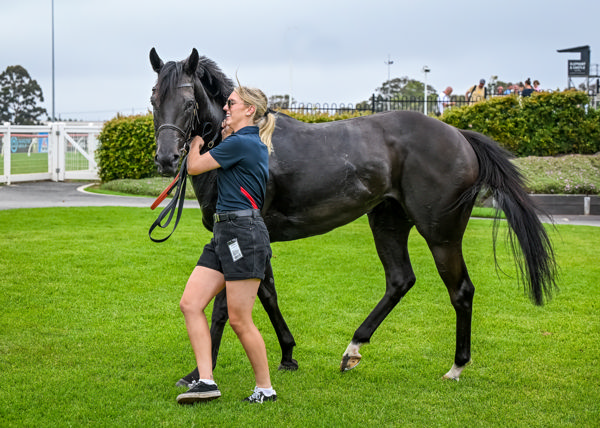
(199, 391)
(260, 397)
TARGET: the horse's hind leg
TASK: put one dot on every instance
(453, 271)
(390, 227)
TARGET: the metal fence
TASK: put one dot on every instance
(374, 105)
(378, 104)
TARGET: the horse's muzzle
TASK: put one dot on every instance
(167, 164)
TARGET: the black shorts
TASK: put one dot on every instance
(239, 249)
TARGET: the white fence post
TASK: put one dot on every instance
(587, 202)
(53, 152)
(6, 153)
(61, 149)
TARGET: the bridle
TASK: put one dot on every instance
(187, 134)
(176, 203)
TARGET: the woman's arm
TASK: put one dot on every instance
(197, 163)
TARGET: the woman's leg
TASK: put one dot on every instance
(240, 301)
(202, 286)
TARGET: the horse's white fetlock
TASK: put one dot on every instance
(351, 357)
(455, 371)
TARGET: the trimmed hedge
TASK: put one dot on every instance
(544, 124)
(127, 148)
(318, 117)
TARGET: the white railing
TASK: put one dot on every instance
(56, 152)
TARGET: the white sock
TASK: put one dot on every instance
(207, 381)
(266, 391)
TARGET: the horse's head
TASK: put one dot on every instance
(187, 100)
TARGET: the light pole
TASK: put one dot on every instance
(425, 71)
(53, 104)
(388, 63)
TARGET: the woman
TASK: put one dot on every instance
(236, 256)
(527, 90)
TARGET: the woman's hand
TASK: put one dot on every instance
(226, 131)
(197, 163)
(196, 144)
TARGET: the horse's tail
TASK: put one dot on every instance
(536, 260)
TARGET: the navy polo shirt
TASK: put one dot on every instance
(244, 161)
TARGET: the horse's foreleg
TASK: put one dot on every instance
(217, 326)
(268, 298)
(390, 229)
(452, 269)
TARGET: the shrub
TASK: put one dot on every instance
(545, 124)
(127, 148)
(319, 117)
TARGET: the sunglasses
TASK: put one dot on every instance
(231, 102)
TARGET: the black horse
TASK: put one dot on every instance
(403, 169)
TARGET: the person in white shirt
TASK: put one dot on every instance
(444, 102)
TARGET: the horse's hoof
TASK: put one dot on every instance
(289, 365)
(447, 377)
(182, 383)
(455, 371)
(349, 362)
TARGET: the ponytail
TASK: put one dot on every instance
(263, 118)
(266, 127)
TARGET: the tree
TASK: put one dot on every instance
(19, 96)
(400, 87)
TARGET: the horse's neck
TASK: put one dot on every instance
(205, 188)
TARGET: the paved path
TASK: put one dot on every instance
(42, 194)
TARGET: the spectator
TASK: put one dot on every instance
(527, 90)
(444, 101)
(536, 86)
(476, 93)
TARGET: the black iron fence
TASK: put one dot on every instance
(374, 105)
(378, 104)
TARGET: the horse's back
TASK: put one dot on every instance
(325, 175)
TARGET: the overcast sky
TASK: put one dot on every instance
(325, 51)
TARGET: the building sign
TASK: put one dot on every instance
(578, 68)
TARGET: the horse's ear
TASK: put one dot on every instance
(192, 62)
(155, 60)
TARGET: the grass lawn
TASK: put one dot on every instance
(23, 163)
(91, 333)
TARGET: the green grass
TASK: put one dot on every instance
(91, 333)
(22, 163)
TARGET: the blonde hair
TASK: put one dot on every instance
(263, 118)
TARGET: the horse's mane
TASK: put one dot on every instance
(219, 85)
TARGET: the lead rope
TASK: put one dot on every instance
(176, 203)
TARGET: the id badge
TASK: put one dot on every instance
(234, 249)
